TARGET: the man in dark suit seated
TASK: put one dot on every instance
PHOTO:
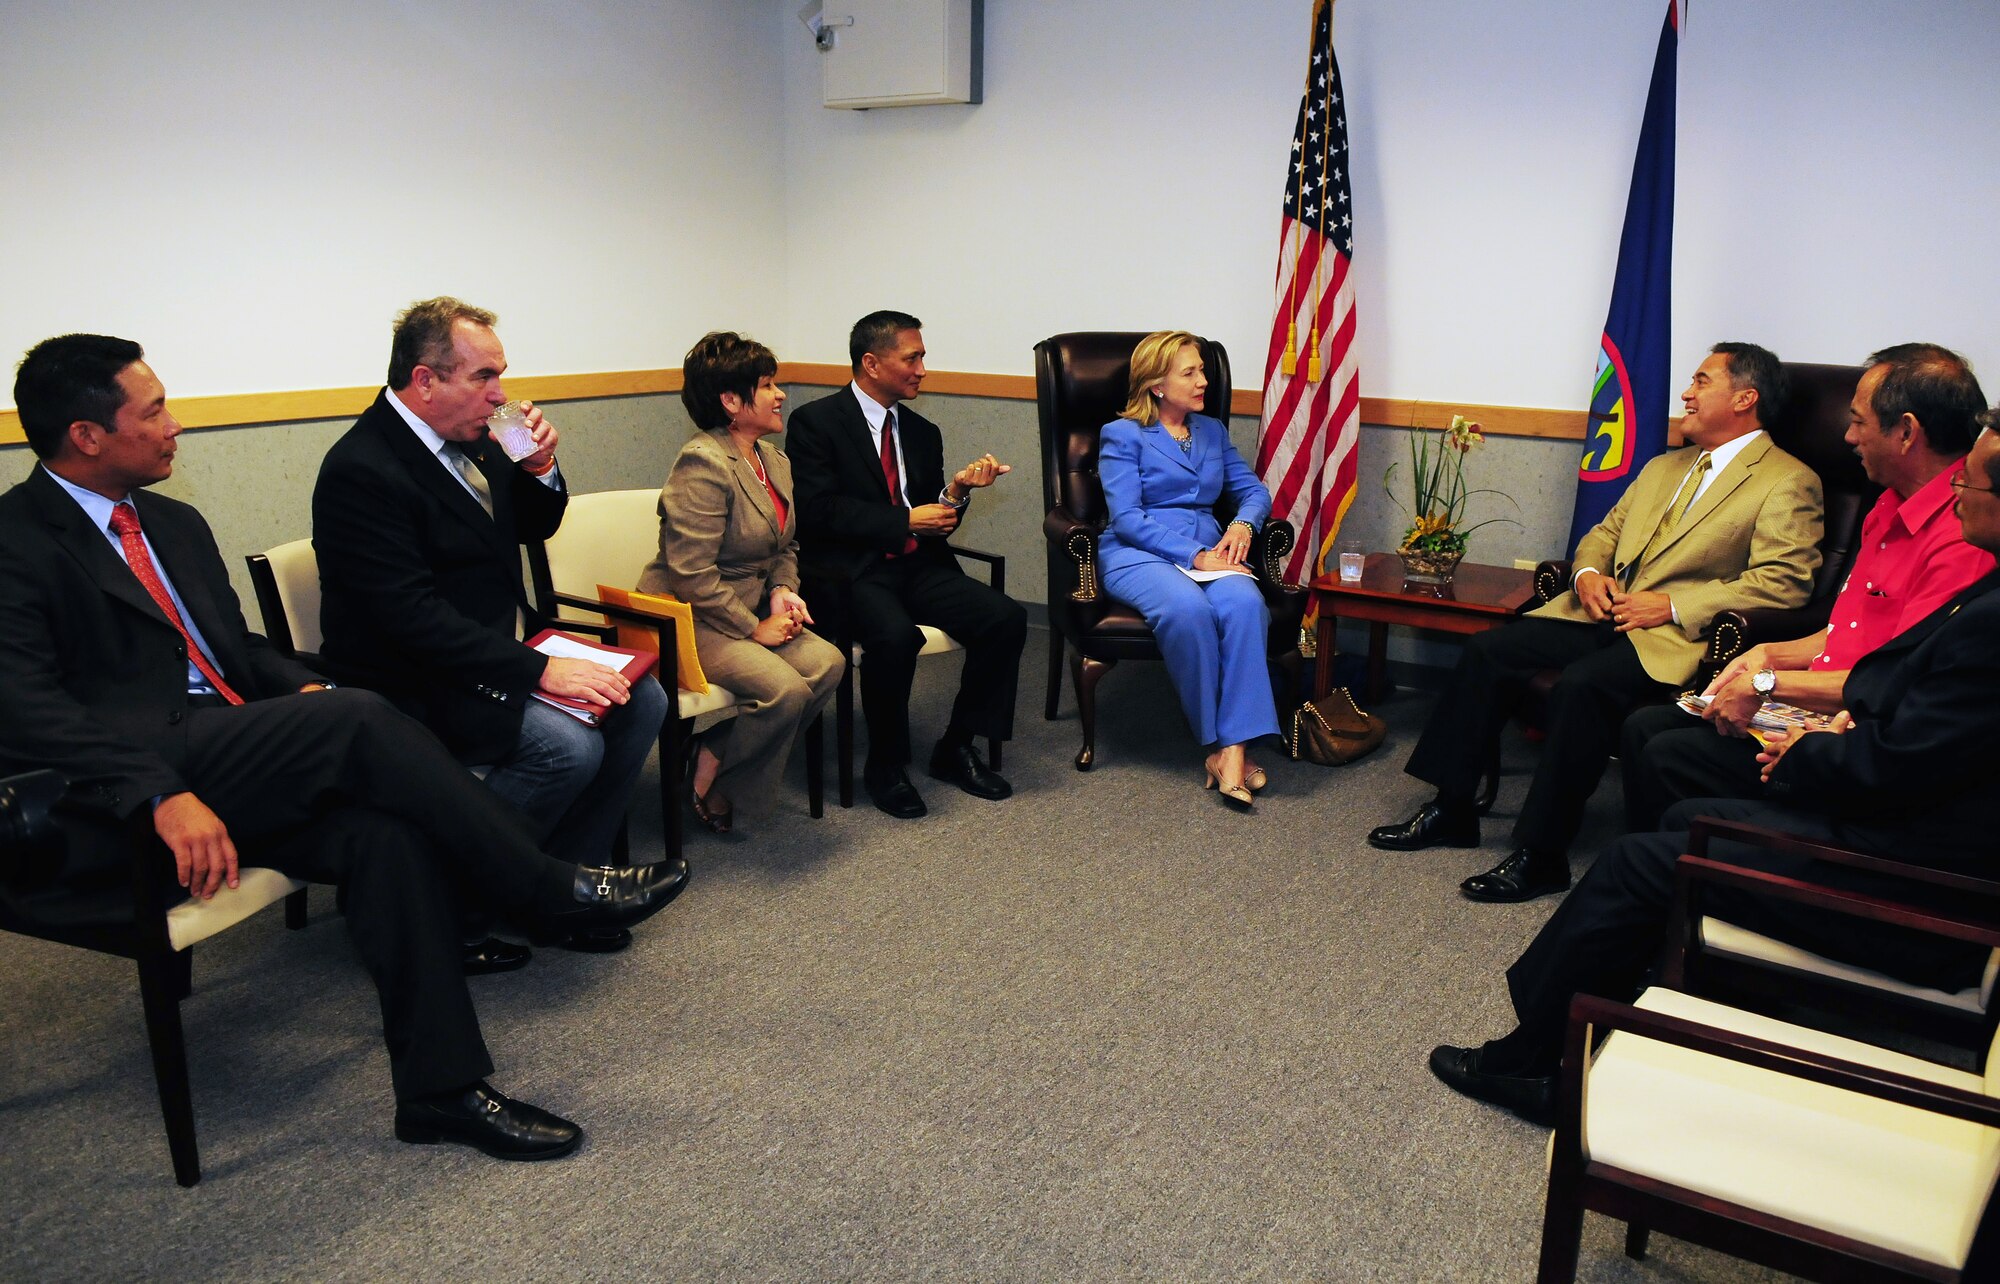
(874, 505)
(1914, 416)
(1906, 773)
(418, 522)
(125, 665)
(1729, 521)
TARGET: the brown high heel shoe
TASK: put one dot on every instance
(711, 809)
(1235, 795)
(1254, 779)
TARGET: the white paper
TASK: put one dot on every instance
(1203, 577)
(569, 648)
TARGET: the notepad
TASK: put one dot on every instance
(633, 664)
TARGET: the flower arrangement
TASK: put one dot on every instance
(1437, 535)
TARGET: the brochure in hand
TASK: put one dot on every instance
(633, 664)
(1774, 716)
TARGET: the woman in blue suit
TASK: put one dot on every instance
(1164, 466)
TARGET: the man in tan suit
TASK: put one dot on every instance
(1730, 521)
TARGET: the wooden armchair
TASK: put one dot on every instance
(608, 538)
(153, 924)
(1817, 1154)
(1707, 954)
(831, 587)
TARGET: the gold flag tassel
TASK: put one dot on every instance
(1313, 371)
(1289, 363)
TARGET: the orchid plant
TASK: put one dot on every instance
(1437, 465)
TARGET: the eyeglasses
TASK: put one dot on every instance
(1959, 483)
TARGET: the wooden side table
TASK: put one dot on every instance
(1477, 599)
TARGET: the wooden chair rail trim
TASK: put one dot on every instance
(238, 409)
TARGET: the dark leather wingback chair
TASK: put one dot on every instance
(1081, 382)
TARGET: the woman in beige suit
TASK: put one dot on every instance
(729, 549)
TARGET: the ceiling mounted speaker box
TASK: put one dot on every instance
(899, 53)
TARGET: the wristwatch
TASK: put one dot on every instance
(1764, 682)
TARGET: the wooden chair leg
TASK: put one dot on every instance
(295, 910)
(1562, 1233)
(1086, 673)
(1055, 675)
(160, 979)
(1635, 1241)
(843, 734)
(180, 970)
(815, 734)
(673, 732)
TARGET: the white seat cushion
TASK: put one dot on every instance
(936, 642)
(1886, 1174)
(695, 703)
(194, 920)
(1730, 941)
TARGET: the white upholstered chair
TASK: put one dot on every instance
(1812, 1152)
(608, 538)
(159, 938)
(1816, 1154)
(1707, 953)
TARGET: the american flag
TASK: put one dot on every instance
(1312, 395)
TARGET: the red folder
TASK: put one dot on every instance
(633, 664)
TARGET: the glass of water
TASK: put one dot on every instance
(509, 426)
(1352, 559)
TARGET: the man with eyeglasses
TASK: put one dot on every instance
(1913, 418)
(1904, 772)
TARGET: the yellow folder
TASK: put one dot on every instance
(640, 637)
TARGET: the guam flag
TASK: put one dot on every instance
(1628, 405)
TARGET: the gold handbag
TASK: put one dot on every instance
(1333, 731)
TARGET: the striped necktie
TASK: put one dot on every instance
(1683, 500)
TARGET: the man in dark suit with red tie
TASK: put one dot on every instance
(125, 666)
(874, 505)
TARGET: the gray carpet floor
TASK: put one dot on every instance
(1105, 1030)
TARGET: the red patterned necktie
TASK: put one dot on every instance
(125, 521)
(891, 475)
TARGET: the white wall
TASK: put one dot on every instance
(253, 190)
(1838, 166)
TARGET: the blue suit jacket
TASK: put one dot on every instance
(1161, 502)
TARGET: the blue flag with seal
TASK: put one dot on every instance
(1628, 402)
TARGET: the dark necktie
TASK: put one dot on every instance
(125, 521)
(892, 475)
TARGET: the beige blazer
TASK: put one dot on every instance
(1752, 539)
(721, 548)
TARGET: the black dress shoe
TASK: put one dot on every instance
(962, 766)
(1531, 1097)
(1434, 825)
(897, 796)
(482, 958)
(617, 896)
(485, 1120)
(1521, 877)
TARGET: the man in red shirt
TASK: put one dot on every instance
(1914, 416)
